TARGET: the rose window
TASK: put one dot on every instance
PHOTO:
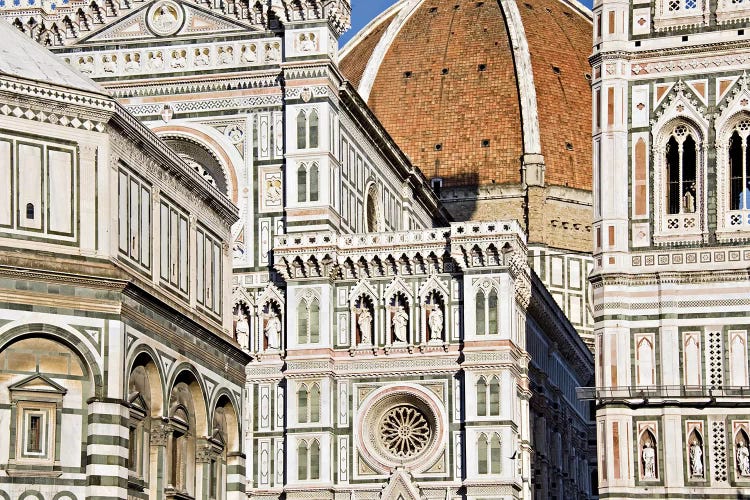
(401, 426)
(405, 431)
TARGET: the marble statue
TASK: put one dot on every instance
(436, 323)
(743, 459)
(400, 321)
(273, 331)
(649, 461)
(364, 321)
(242, 330)
(696, 459)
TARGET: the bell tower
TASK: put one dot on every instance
(672, 246)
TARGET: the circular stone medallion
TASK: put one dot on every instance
(165, 17)
(401, 426)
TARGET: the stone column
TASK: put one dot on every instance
(157, 463)
(235, 478)
(107, 480)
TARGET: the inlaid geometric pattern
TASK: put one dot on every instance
(715, 360)
(719, 451)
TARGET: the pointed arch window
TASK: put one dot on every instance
(307, 129)
(486, 312)
(679, 179)
(681, 155)
(308, 460)
(302, 409)
(489, 454)
(308, 403)
(308, 182)
(488, 397)
(481, 397)
(739, 167)
(302, 459)
(308, 322)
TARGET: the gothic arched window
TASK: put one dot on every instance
(314, 460)
(486, 312)
(489, 454)
(494, 397)
(482, 462)
(307, 129)
(315, 403)
(682, 165)
(481, 397)
(308, 322)
(302, 396)
(488, 397)
(308, 460)
(313, 186)
(302, 183)
(308, 183)
(739, 167)
(308, 403)
(301, 130)
(302, 457)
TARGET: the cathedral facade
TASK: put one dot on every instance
(671, 120)
(387, 351)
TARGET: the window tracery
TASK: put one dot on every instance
(679, 178)
(677, 13)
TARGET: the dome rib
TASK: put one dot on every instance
(525, 78)
(408, 8)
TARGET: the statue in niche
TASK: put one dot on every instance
(364, 321)
(272, 331)
(436, 323)
(242, 330)
(696, 459)
(649, 461)
(400, 321)
(688, 200)
(743, 459)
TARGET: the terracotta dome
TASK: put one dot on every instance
(449, 80)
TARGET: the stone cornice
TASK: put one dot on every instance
(150, 144)
(691, 277)
(471, 246)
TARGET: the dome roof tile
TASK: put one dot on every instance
(446, 88)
